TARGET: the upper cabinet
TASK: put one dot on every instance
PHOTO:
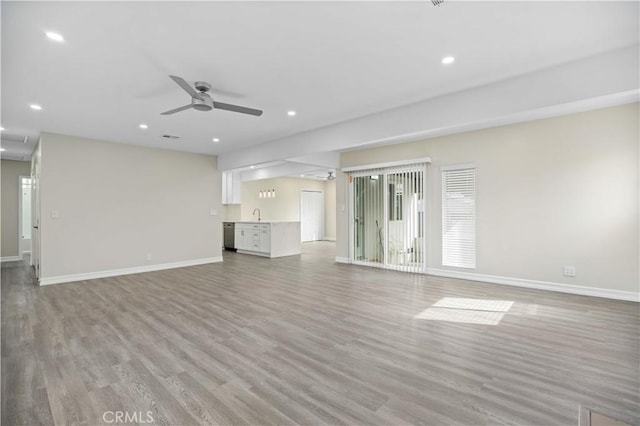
(231, 188)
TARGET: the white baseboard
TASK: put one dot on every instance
(125, 271)
(330, 239)
(10, 258)
(540, 285)
(342, 260)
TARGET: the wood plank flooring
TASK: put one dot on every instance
(302, 340)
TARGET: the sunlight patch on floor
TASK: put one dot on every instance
(470, 311)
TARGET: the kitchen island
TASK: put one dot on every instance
(268, 239)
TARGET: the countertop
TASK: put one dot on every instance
(264, 221)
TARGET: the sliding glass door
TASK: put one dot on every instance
(368, 219)
(387, 217)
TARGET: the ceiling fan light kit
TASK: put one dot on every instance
(202, 101)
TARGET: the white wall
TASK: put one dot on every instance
(553, 192)
(117, 203)
(10, 173)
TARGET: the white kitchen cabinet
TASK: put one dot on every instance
(265, 238)
(238, 237)
(247, 236)
(269, 239)
(231, 188)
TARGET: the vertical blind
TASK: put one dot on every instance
(368, 216)
(459, 216)
(388, 217)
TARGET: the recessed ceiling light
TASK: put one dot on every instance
(1, 129)
(448, 60)
(55, 36)
(143, 126)
(301, 175)
(216, 140)
(252, 167)
(291, 113)
(36, 107)
(1, 149)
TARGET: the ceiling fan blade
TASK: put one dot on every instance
(237, 108)
(185, 86)
(173, 111)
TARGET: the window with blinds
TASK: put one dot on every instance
(459, 216)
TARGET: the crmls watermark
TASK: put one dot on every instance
(121, 417)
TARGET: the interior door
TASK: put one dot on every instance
(311, 215)
(25, 214)
(35, 217)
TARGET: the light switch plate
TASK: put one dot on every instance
(55, 214)
(213, 212)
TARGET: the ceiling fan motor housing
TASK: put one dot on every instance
(204, 104)
(202, 86)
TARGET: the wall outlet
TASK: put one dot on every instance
(149, 256)
(569, 271)
(213, 212)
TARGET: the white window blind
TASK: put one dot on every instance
(459, 216)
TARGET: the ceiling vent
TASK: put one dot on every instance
(437, 2)
(171, 137)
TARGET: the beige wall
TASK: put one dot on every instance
(286, 205)
(117, 203)
(11, 171)
(553, 192)
(231, 212)
(330, 210)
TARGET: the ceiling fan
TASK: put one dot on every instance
(201, 100)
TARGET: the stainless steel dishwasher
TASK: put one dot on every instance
(229, 235)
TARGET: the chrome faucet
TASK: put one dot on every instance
(254, 213)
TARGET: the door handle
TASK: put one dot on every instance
(35, 227)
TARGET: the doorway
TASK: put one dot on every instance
(24, 215)
(311, 215)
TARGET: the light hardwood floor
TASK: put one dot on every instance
(301, 340)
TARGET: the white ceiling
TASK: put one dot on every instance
(329, 61)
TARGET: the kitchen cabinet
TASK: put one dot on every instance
(265, 238)
(248, 237)
(269, 239)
